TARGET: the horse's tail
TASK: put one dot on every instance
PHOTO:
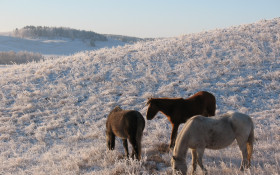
(211, 108)
(139, 133)
(250, 146)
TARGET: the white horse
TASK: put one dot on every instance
(217, 132)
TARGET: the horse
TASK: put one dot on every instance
(125, 124)
(218, 132)
(179, 110)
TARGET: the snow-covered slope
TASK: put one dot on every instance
(45, 46)
(53, 113)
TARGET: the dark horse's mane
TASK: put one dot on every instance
(167, 100)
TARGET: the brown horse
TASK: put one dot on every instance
(126, 124)
(179, 110)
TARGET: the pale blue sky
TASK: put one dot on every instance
(141, 18)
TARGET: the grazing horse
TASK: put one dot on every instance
(179, 110)
(213, 133)
(126, 124)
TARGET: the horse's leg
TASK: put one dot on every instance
(249, 145)
(243, 148)
(138, 149)
(133, 142)
(110, 137)
(194, 160)
(173, 135)
(125, 147)
(200, 152)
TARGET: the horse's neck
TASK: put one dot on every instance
(165, 106)
(181, 146)
(180, 152)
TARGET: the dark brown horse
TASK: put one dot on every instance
(126, 124)
(179, 110)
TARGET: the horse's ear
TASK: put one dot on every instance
(149, 101)
(117, 108)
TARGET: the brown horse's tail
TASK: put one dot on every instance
(250, 146)
(139, 133)
(211, 108)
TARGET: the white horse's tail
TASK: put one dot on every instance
(250, 146)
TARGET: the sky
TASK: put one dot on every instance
(141, 18)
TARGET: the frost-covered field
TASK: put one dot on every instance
(53, 113)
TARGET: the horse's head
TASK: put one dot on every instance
(178, 165)
(152, 109)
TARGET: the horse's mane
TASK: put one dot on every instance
(149, 101)
(163, 101)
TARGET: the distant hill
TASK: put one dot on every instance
(57, 32)
(64, 32)
(26, 44)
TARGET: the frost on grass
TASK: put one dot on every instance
(53, 112)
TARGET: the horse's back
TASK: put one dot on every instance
(206, 125)
(124, 122)
(241, 123)
(125, 115)
(206, 102)
(240, 116)
(213, 133)
(134, 118)
(205, 95)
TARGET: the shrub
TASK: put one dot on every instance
(12, 57)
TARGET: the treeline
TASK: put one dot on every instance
(12, 57)
(56, 32)
(127, 39)
(86, 36)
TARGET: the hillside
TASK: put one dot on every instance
(53, 41)
(53, 113)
